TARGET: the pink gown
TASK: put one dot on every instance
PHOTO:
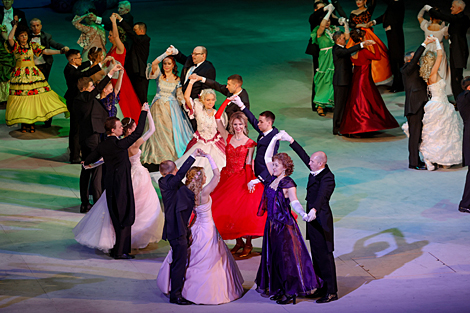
(130, 104)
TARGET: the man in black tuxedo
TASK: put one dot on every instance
(463, 104)
(320, 231)
(7, 13)
(117, 180)
(91, 116)
(266, 131)
(233, 88)
(136, 60)
(178, 203)
(343, 74)
(392, 21)
(458, 27)
(416, 97)
(74, 70)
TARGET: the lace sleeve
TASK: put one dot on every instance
(149, 74)
(197, 106)
(179, 94)
(83, 28)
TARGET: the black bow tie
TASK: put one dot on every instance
(34, 36)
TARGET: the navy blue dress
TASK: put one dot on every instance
(286, 266)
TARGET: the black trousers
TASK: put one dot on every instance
(465, 202)
(456, 76)
(74, 145)
(341, 94)
(141, 86)
(90, 180)
(415, 125)
(123, 234)
(396, 46)
(179, 247)
(314, 66)
(323, 259)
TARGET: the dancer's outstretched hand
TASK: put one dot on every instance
(310, 216)
(145, 107)
(237, 101)
(285, 136)
(252, 184)
(427, 7)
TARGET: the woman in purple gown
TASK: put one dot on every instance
(286, 269)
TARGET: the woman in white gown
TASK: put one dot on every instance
(434, 27)
(96, 230)
(441, 139)
(207, 137)
(212, 275)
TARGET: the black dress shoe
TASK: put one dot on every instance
(464, 210)
(84, 208)
(124, 257)
(419, 167)
(319, 293)
(328, 298)
(180, 301)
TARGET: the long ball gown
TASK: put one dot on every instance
(31, 98)
(286, 266)
(173, 130)
(381, 70)
(365, 110)
(212, 275)
(129, 102)
(324, 93)
(234, 208)
(96, 230)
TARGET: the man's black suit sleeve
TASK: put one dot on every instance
(339, 8)
(413, 64)
(52, 43)
(77, 74)
(181, 58)
(125, 143)
(245, 99)
(444, 16)
(301, 153)
(347, 52)
(94, 156)
(252, 119)
(89, 96)
(216, 86)
(327, 186)
(174, 180)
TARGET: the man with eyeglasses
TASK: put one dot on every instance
(73, 72)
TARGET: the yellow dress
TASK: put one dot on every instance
(31, 99)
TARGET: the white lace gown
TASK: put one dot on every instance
(212, 275)
(444, 68)
(442, 129)
(96, 230)
(206, 138)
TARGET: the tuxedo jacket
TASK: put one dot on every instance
(117, 180)
(128, 18)
(48, 42)
(261, 171)
(319, 191)
(394, 15)
(416, 90)
(90, 113)
(72, 75)
(458, 27)
(343, 64)
(205, 69)
(463, 104)
(18, 12)
(178, 202)
(136, 60)
(231, 108)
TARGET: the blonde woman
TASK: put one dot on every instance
(442, 127)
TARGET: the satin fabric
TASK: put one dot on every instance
(234, 208)
(285, 265)
(365, 110)
(212, 275)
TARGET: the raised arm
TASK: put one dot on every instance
(296, 147)
(207, 190)
(218, 115)
(268, 156)
(83, 28)
(187, 94)
(421, 14)
(119, 44)
(129, 140)
(151, 130)
(117, 87)
(435, 69)
(11, 35)
(324, 21)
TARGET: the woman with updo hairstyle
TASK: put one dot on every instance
(95, 230)
(234, 206)
(93, 35)
(365, 110)
(212, 275)
(286, 269)
(441, 137)
(95, 55)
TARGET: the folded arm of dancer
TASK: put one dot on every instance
(187, 98)
(174, 180)
(413, 64)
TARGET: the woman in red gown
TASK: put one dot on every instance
(234, 208)
(365, 110)
(129, 102)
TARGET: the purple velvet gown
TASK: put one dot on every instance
(285, 265)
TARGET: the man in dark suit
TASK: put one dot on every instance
(74, 70)
(117, 180)
(178, 203)
(91, 116)
(233, 88)
(266, 131)
(124, 9)
(458, 27)
(320, 231)
(136, 61)
(392, 21)
(343, 75)
(416, 96)
(463, 104)
(7, 13)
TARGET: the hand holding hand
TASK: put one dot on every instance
(311, 215)
(145, 107)
(198, 152)
(172, 50)
(427, 7)
(92, 16)
(118, 17)
(368, 43)
(329, 7)
(113, 18)
(285, 136)
(195, 77)
(237, 101)
(428, 40)
(341, 21)
(192, 81)
(252, 184)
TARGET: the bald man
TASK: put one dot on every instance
(320, 187)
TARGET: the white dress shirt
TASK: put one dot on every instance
(7, 18)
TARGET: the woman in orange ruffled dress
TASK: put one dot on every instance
(360, 18)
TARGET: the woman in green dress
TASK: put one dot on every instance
(322, 35)
(7, 62)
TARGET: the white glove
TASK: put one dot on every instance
(341, 21)
(311, 216)
(172, 50)
(162, 56)
(251, 184)
(329, 7)
(285, 136)
(299, 209)
(427, 7)
(238, 102)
